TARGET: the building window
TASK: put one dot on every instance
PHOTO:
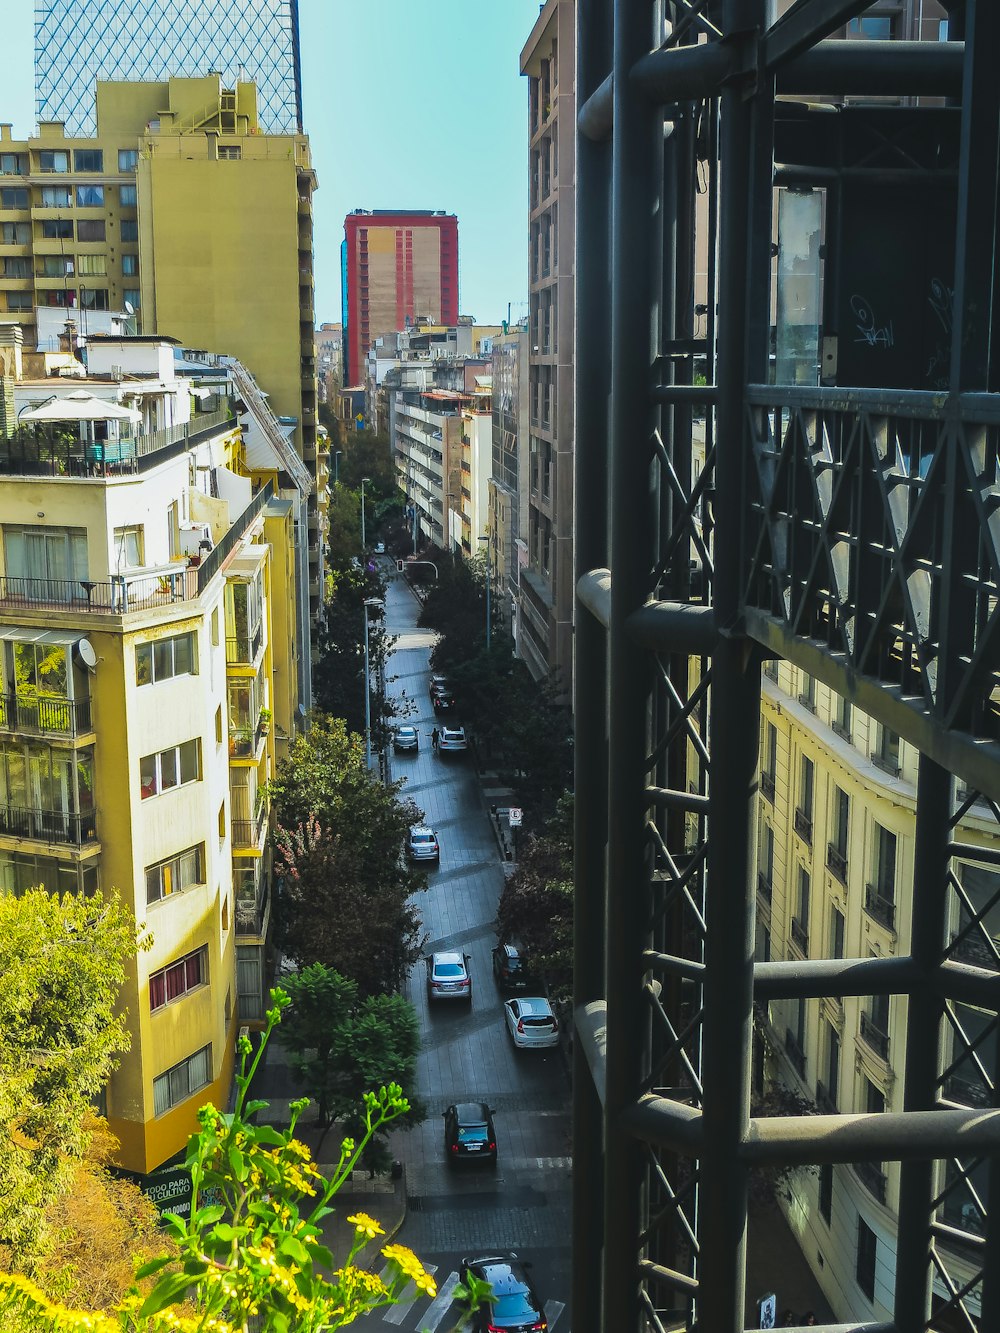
(126, 196)
(867, 1249)
(770, 768)
(128, 553)
(128, 159)
(53, 159)
(836, 851)
(807, 692)
(176, 874)
(56, 229)
(92, 231)
(90, 196)
(173, 767)
(129, 230)
(880, 894)
(230, 152)
(875, 1026)
(88, 159)
(836, 933)
(56, 266)
(19, 233)
(165, 658)
(13, 164)
(795, 1038)
(804, 809)
(19, 267)
(828, 1089)
(886, 753)
(826, 1192)
(800, 921)
(175, 981)
(56, 196)
(771, 669)
(873, 27)
(765, 869)
(21, 871)
(131, 295)
(130, 265)
(19, 301)
(94, 298)
(92, 266)
(13, 196)
(842, 717)
(181, 1082)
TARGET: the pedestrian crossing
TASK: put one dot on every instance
(426, 1314)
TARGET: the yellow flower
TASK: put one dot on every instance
(411, 1267)
(362, 1222)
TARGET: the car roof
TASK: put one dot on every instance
(472, 1113)
(505, 1275)
(532, 1005)
(448, 956)
(400, 730)
(511, 950)
(454, 731)
(419, 829)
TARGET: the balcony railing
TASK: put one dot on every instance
(836, 861)
(117, 596)
(800, 936)
(873, 1178)
(251, 912)
(767, 785)
(882, 909)
(803, 826)
(764, 887)
(795, 1052)
(967, 1092)
(213, 562)
(825, 1099)
(249, 832)
(43, 714)
(62, 826)
(874, 1038)
(243, 648)
(245, 741)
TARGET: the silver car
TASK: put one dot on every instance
(531, 1022)
(448, 977)
(424, 845)
(405, 738)
(452, 740)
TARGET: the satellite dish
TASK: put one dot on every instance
(85, 654)
(129, 308)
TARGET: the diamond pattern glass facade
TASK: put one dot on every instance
(78, 42)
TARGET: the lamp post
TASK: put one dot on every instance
(364, 544)
(487, 541)
(369, 601)
(336, 467)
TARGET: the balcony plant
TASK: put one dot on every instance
(264, 721)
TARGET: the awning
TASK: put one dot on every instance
(80, 406)
(26, 634)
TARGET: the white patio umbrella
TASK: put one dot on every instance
(80, 406)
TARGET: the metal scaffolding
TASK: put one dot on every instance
(843, 523)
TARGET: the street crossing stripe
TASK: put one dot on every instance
(398, 1313)
(553, 1309)
(438, 1307)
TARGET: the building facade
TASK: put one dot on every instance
(180, 215)
(78, 42)
(398, 269)
(508, 485)
(546, 629)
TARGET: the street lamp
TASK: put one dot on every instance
(364, 480)
(487, 541)
(369, 601)
(336, 467)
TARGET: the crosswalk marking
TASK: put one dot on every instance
(553, 1309)
(397, 1313)
(438, 1307)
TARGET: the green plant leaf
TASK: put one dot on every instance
(237, 1163)
(166, 1291)
(154, 1266)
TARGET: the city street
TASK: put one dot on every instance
(524, 1204)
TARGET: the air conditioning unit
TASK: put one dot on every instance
(117, 374)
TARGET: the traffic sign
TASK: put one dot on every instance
(514, 816)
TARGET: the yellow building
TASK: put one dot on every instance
(836, 838)
(139, 576)
(181, 210)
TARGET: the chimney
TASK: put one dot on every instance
(67, 339)
(5, 129)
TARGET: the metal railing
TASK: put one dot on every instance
(248, 832)
(882, 909)
(836, 861)
(767, 785)
(117, 596)
(213, 562)
(803, 826)
(873, 1178)
(44, 713)
(62, 826)
(874, 1038)
(244, 647)
(800, 936)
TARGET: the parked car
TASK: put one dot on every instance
(380, 548)
(469, 1135)
(423, 844)
(448, 977)
(444, 701)
(531, 1022)
(515, 1306)
(511, 971)
(452, 740)
(405, 738)
(438, 683)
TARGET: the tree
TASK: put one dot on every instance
(339, 675)
(345, 884)
(536, 905)
(344, 513)
(365, 454)
(62, 961)
(341, 1043)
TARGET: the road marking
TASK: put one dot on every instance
(398, 1313)
(553, 1309)
(438, 1307)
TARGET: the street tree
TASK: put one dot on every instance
(339, 675)
(63, 961)
(344, 514)
(367, 454)
(345, 888)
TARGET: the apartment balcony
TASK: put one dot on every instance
(244, 649)
(767, 786)
(873, 1178)
(49, 715)
(249, 834)
(874, 1038)
(825, 1099)
(138, 591)
(253, 911)
(765, 888)
(49, 826)
(800, 936)
(836, 862)
(247, 742)
(795, 1053)
(880, 908)
(803, 826)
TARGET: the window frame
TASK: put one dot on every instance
(152, 650)
(186, 974)
(174, 865)
(82, 156)
(204, 1053)
(160, 767)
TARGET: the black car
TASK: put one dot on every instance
(444, 701)
(511, 970)
(515, 1307)
(469, 1134)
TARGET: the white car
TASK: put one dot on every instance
(451, 740)
(380, 548)
(423, 844)
(448, 977)
(531, 1022)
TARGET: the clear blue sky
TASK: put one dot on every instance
(408, 104)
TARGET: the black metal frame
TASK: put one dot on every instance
(847, 530)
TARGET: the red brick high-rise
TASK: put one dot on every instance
(398, 267)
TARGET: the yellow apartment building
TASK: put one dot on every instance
(835, 846)
(183, 216)
(139, 578)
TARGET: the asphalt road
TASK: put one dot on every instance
(467, 1056)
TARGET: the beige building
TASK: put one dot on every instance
(545, 639)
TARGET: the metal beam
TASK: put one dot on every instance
(803, 25)
(811, 977)
(593, 592)
(889, 1137)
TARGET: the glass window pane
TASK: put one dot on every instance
(193, 970)
(163, 663)
(190, 867)
(175, 981)
(90, 196)
(168, 769)
(189, 761)
(144, 664)
(147, 776)
(126, 196)
(184, 655)
(161, 1094)
(154, 888)
(178, 1084)
(201, 1068)
(157, 991)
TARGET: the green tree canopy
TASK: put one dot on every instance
(339, 675)
(62, 961)
(345, 882)
(365, 454)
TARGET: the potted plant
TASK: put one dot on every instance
(265, 721)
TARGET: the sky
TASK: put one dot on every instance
(408, 104)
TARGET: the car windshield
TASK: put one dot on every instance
(449, 970)
(514, 1306)
(423, 837)
(472, 1134)
(538, 1022)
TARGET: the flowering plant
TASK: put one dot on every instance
(252, 1246)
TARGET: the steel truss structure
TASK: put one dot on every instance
(851, 530)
